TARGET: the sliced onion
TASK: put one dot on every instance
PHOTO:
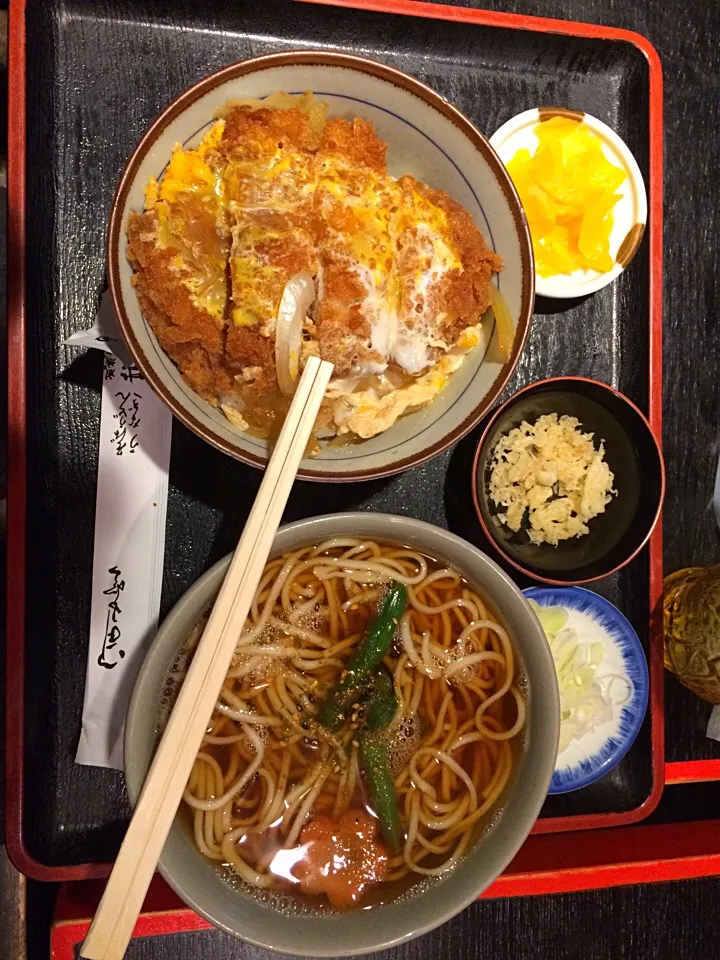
(503, 322)
(585, 699)
(295, 302)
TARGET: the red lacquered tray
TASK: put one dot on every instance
(692, 771)
(66, 840)
(578, 861)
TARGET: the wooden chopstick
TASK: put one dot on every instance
(112, 927)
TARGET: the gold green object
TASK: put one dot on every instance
(691, 627)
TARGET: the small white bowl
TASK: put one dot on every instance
(630, 211)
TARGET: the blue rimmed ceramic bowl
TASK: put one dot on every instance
(428, 138)
(592, 756)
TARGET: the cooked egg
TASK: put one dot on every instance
(369, 412)
(275, 191)
(189, 204)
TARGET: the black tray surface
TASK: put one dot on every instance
(691, 389)
(98, 72)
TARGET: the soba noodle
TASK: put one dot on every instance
(267, 768)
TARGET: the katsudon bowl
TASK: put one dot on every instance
(428, 139)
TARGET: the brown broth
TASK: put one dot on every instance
(259, 848)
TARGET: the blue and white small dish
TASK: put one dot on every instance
(587, 759)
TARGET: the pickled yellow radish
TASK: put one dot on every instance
(568, 189)
(553, 253)
(595, 225)
(540, 209)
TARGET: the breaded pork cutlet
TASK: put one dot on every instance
(353, 201)
(190, 336)
(442, 270)
(401, 271)
(179, 248)
(269, 192)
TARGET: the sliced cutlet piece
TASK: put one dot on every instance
(442, 268)
(354, 201)
(268, 249)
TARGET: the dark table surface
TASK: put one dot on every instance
(665, 920)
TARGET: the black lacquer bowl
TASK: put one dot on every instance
(633, 454)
